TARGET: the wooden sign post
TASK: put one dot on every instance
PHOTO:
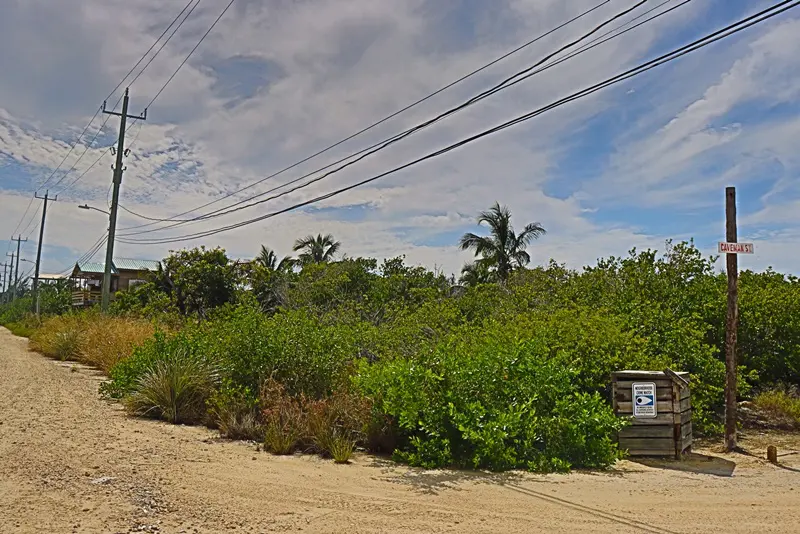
(731, 248)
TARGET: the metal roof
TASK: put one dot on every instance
(127, 264)
(94, 267)
(119, 264)
(51, 277)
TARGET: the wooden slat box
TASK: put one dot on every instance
(669, 432)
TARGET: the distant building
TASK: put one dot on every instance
(87, 278)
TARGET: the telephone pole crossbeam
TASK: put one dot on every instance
(117, 181)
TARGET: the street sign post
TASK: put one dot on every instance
(735, 248)
(644, 400)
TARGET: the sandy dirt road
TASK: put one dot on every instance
(71, 462)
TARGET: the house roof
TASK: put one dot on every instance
(51, 277)
(128, 264)
(93, 267)
(119, 264)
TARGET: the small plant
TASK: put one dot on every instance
(335, 421)
(283, 419)
(341, 448)
(66, 345)
(174, 389)
(235, 413)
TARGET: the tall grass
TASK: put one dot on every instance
(174, 389)
(780, 405)
(60, 337)
(283, 419)
(91, 338)
(108, 340)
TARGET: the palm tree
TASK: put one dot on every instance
(319, 249)
(269, 260)
(475, 273)
(503, 250)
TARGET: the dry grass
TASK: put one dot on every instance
(780, 406)
(107, 340)
(331, 426)
(60, 337)
(91, 338)
(283, 419)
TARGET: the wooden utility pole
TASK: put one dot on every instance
(10, 275)
(15, 279)
(5, 282)
(117, 181)
(46, 198)
(732, 320)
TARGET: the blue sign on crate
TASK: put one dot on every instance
(644, 400)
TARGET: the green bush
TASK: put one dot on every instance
(161, 347)
(492, 402)
(295, 348)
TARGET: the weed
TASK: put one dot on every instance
(341, 448)
(67, 344)
(781, 406)
(235, 413)
(331, 421)
(174, 389)
(59, 337)
(283, 419)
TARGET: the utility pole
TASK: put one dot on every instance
(5, 281)
(732, 320)
(117, 181)
(19, 241)
(39, 249)
(10, 275)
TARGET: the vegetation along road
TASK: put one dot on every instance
(71, 462)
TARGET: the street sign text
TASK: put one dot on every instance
(735, 248)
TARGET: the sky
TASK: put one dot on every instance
(276, 81)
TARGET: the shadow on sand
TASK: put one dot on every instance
(431, 482)
(691, 463)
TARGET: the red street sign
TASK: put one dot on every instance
(735, 248)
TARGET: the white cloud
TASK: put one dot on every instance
(331, 68)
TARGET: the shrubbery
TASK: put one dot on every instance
(399, 359)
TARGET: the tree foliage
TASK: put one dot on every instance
(503, 250)
(317, 249)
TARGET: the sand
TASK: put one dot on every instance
(72, 462)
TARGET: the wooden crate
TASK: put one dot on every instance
(669, 433)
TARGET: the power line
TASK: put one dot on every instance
(375, 124)
(718, 35)
(72, 148)
(86, 171)
(89, 145)
(88, 255)
(385, 143)
(20, 221)
(178, 27)
(97, 112)
(190, 53)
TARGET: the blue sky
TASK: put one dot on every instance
(631, 166)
